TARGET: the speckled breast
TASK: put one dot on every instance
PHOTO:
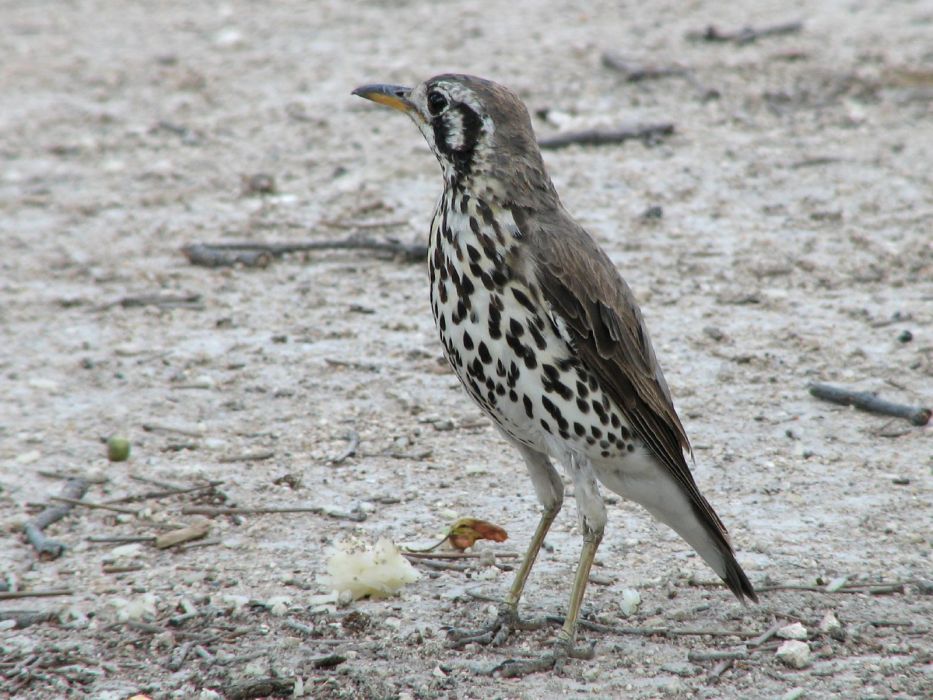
(502, 340)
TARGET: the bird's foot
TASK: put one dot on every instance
(552, 661)
(496, 633)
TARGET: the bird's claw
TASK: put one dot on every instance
(496, 633)
(553, 660)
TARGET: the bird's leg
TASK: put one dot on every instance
(508, 618)
(550, 491)
(593, 522)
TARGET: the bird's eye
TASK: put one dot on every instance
(436, 103)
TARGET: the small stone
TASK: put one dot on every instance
(794, 631)
(794, 694)
(794, 653)
(905, 336)
(278, 605)
(830, 625)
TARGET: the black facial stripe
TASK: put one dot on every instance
(471, 125)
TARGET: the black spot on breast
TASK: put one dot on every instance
(512, 379)
(597, 433)
(486, 212)
(614, 418)
(500, 368)
(582, 391)
(473, 253)
(476, 369)
(529, 408)
(467, 287)
(624, 433)
(495, 320)
(584, 406)
(485, 355)
(604, 444)
(545, 425)
(464, 203)
(530, 360)
(442, 289)
(605, 453)
(579, 429)
(516, 328)
(467, 340)
(474, 225)
(512, 395)
(523, 299)
(540, 342)
(630, 447)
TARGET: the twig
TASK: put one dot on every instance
(41, 593)
(720, 669)
(298, 626)
(260, 254)
(115, 569)
(179, 654)
(44, 546)
(260, 688)
(441, 565)
(163, 493)
(869, 402)
(455, 555)
(354, 439)
(359, 224)
(657, 631)
(746, 35)
(328, 661)
(92, 504)
(636, 72)
(203, 543)
(165, 301)
(159, 428)
(194, 531)
(598, 137)
(61, 475)
(25, 618)
(121, 540)
(248, 457)
(764, 636)
(716, 655)
(355, 515)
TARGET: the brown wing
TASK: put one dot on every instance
(584, 288)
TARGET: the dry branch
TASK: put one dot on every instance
(746, 35)
(635, 72)
(355, 515)
(353, 438)
(42, 593)
(261, 254)
(867, 401)
(195, 531)
(648, 133)
(48, 548)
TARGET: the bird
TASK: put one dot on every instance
(547, 338)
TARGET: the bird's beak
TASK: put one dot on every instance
(394, 96)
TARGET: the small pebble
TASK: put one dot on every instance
(794, 631)
(794, 653)
(905, 336)
(830, 625)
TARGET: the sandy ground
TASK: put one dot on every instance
(794, 246)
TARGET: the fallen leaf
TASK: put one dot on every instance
(466, 531)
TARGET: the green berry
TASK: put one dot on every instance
(118, 449)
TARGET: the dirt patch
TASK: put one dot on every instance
(788, 241)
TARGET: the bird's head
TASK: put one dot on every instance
(478, 130)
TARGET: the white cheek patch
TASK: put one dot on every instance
(453, 122)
